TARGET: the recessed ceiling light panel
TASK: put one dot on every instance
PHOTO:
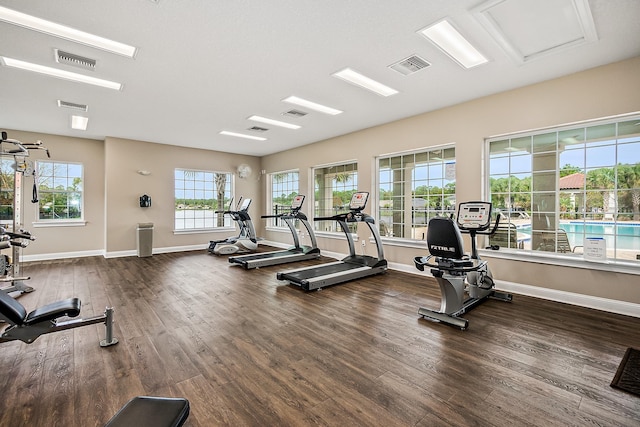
(451, 42)
(62, 31)
(355, 78)
(61, 74)
(311, 105)
(79, 122)
(242, 135)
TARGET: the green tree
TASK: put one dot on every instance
(629, 178)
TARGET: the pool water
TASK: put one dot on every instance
(621, 236)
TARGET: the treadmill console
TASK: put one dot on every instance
(245, 204)
(474, 215)
(358, 201)
(296, 204)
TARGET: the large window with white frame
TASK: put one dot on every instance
(569, 190)
(413, 188)
(7, 171)
(60, 191)
(334, 185)
(198, 196)
(284, 188)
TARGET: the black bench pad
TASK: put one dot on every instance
(68, 307)
(147, 411)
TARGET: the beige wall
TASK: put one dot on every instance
(123, 158)
(112, 185)
(112, 188)
(58, 240)
(600, 92)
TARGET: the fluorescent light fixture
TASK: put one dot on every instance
(451, 42)
(365, 82)
(61, 74)
(79, 122)
(62, 31)
(242, 135)
(311, 105)
(273, 122)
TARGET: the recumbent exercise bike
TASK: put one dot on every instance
(455, 271)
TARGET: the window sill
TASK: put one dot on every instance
(615, 266)
(278, 229)
(44, 224)
(205, 230)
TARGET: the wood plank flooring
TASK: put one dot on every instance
(248, 350)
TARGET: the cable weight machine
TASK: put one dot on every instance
(17, 238)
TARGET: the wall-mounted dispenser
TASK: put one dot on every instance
(145, 201)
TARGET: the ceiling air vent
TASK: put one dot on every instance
(410, 65)
(294, 113)
(258, 129)
(73, 105)
(75, 60)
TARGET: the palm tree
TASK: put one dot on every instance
(220, 179)
(602, 179)
(629, 178)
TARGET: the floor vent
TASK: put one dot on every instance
(294, 113)
(410, 65)
(74, 60)
(258, 129)
(72, 105)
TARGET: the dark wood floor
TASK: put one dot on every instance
(246, 349)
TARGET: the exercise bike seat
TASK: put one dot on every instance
(68, 307)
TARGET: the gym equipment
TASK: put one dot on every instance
(147, 411)
(455, 271)
(246, 241)
(19, 151)
(292, 254)
(350, 268)
(27, 327)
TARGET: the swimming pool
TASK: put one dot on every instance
(620, 235)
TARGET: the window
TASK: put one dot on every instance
(334, 186)
(198, 194)
(560, 189)
(60, 188)
(284, 187)
(6, 190)
(414, 187)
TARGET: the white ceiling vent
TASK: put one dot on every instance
(257, 129)
(294, 113)
(74, 60)
(72, 105)
(410, 65)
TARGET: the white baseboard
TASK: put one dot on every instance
(597, 303)
(60, 255)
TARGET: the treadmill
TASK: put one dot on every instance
(350, 268)
(293, 254)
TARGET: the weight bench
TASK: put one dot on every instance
(146, 411)
(27, 327)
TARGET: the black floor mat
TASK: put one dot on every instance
(627, 376)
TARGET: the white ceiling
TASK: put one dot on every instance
(204, 66)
